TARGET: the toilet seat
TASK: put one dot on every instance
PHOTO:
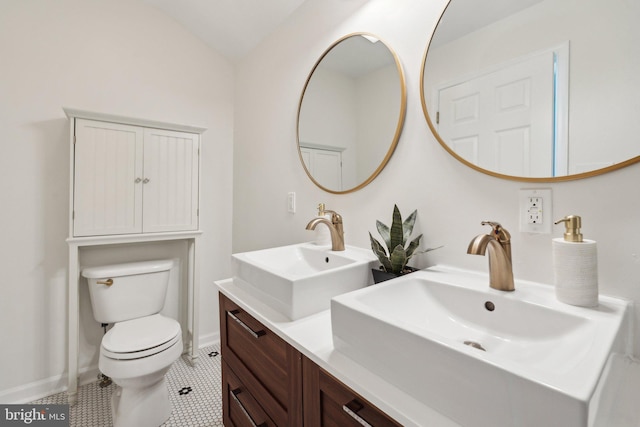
(140, 338)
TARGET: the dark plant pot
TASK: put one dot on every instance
(382, 276)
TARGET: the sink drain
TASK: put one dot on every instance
(474, 345)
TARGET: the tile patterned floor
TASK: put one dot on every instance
(195, 394)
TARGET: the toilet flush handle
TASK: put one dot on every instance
(107, 282)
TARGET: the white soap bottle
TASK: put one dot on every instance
(323, 235)
(575, 265)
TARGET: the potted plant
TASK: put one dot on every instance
(397, 254)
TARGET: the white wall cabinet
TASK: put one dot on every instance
(131, 179)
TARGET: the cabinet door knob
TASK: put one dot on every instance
(146, 180)
(138, 180)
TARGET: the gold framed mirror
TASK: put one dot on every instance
(351, 113)
(535, 90)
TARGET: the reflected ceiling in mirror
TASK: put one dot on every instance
(536, 90)
(351, 113)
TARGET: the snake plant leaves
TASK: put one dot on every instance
(413, 246)
(398, 259)
(379, 252)
(395, 256)
(384, 232)
(396, 234)
(407, 226)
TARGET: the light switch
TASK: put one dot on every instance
(291, 202)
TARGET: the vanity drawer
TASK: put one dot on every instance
(240, 407)
(270, 368)
(330, 403)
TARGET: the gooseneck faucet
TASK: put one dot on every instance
(499, 244)
(335, 227)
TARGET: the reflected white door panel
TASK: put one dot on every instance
(491, 119)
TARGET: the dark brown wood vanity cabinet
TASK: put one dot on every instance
(261, 373)
(266, 382)
(330, 403)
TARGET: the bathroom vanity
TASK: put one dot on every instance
(436, 347)
(268, 382)
(286, 373)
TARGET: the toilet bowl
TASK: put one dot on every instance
(141, 346)
(137, 354)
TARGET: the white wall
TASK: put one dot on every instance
(451, 199)
(120, 57)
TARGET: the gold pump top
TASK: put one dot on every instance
(320, 209)
(572, 225)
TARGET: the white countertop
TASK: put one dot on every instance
(312, 337)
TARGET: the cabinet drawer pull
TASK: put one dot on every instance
(352, 408)
(255, 334)
(234, 395)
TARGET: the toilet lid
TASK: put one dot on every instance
(136, 338)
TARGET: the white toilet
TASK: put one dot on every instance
(139, 349)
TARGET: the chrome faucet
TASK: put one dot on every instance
(335, 227)
(499, 244)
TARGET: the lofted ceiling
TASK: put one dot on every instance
(232, 27)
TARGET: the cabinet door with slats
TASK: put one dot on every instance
(107, 179)
(170, 181)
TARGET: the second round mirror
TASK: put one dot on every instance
(541, 90)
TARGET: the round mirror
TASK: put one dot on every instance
(536, 90)
(351, 113)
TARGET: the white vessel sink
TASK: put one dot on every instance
(300, 280)
(480, 356)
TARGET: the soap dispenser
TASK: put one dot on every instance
(322, 236)
(575, 265)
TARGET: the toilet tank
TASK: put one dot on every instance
(122, 292)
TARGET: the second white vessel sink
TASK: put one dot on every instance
(477, 355)
(300, 280)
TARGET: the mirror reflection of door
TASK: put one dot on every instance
(324, 164)
(595, 128)
(491, 117)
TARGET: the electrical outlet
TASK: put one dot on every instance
(535, 210)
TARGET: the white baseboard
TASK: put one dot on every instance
(38, 389)
(209, 339)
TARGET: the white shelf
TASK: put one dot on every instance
(132, 238)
